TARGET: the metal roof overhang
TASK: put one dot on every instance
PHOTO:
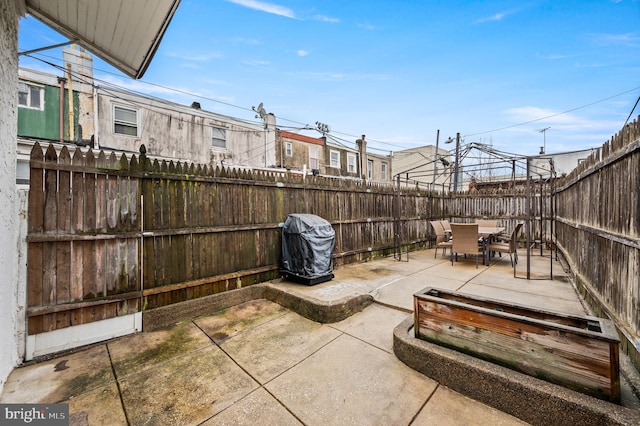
(124, 33)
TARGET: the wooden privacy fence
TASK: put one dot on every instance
(83, 239)
(508, 207)
(598, 230)
(110, 235)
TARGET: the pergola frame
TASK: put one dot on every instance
(478, 165)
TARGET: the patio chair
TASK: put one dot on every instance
(487, 223)
(442, 239)
(465, 240)
(447, 227)
(510, 245)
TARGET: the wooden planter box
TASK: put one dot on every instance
(577, 352)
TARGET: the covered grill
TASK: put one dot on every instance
(307, 249)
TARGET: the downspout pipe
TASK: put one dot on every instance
(96, 134)
(61, 82)
(72, 136)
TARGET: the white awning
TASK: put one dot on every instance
(124, 33)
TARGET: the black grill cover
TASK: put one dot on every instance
(307, 246)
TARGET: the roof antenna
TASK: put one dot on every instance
(543, 148)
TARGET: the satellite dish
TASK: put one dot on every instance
(260, 110)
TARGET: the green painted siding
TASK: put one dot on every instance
(46, 123)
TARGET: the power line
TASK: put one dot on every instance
(280, 118)
(632, 109)
(556, 114)
(374, 140)
(155, 108)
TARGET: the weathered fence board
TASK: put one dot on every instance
(113, 235)
(97, 220)
(163, 232)
(72, 269)
(598, 230)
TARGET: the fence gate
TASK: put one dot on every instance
(83, 277)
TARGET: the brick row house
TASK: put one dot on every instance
(325, 157)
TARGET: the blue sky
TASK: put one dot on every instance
(397, 71)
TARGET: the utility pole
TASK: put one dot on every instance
(435, 161)
(262, 114)
(323, 128)
(456, 165)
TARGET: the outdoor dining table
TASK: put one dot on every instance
(486, 234)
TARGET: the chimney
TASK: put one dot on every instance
(362, 150)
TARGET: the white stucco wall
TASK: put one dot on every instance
(418, 162)
(563, 163)
(174, 131)
(9, 19)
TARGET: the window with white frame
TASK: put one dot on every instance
(369, 169)
(288, 149)
(218, 138)
(383, 171)
(334, 159)
(30, 96)
(351, 163)
(125, 121)
(313, 157)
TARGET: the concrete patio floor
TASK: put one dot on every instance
(259, 363)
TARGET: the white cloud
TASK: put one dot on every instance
(367, 26)
(249, 41)
(266, 7)
(495, 17)
(213, 82)
(302, 52)
(592, 65)
(543, 117)
(627, 39)
(333, 76)
(256, 63)
(324, 18)
(191, 66)
(181, 95)
(532, 113)
(138, 86)
(556, 56)
(201, 57)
